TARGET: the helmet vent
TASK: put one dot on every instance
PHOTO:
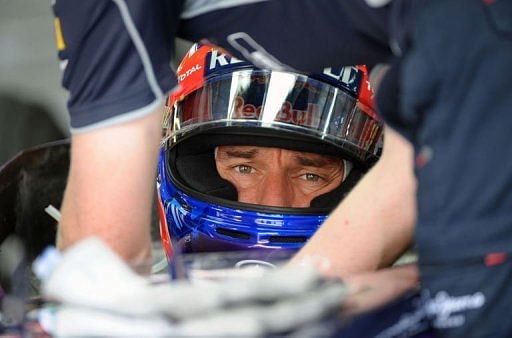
(287, 239)
(233, 233)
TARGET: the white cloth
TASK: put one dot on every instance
(99, 295)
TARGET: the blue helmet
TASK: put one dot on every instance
(226, 101)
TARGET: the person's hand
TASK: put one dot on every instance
(99, 295)
(373, 289)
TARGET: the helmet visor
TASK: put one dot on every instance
(280, 101)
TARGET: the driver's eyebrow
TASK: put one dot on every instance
(319, 162)
(248, 154)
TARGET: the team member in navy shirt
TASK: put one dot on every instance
(115, 59)
(448, 113)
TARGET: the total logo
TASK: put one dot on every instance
(183, 75)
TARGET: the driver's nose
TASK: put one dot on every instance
(276, 191)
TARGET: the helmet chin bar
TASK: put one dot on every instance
(196, 224)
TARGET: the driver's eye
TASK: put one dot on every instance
(243, 169)
(311, 177)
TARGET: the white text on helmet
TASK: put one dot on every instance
(269, 222)
(345, 74)
(219, 60)
(189, 71)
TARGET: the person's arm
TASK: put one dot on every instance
(111, 186)
(115, 61)
(370, 290)
(375, 223)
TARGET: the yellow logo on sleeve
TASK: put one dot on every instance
(61, 45)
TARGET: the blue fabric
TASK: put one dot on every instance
(457, 106)
(468, 299)
(307, 35)
(453, 102)
(104, 73)
(105, 76)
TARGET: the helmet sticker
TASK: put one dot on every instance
(217, 61)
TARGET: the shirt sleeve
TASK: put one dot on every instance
(387, 100)
(115, 57)
(305, 35)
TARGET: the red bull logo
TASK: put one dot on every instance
(286, 113)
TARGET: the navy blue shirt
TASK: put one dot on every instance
(115, 54)
(456, 109)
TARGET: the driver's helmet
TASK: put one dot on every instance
(226, 101)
